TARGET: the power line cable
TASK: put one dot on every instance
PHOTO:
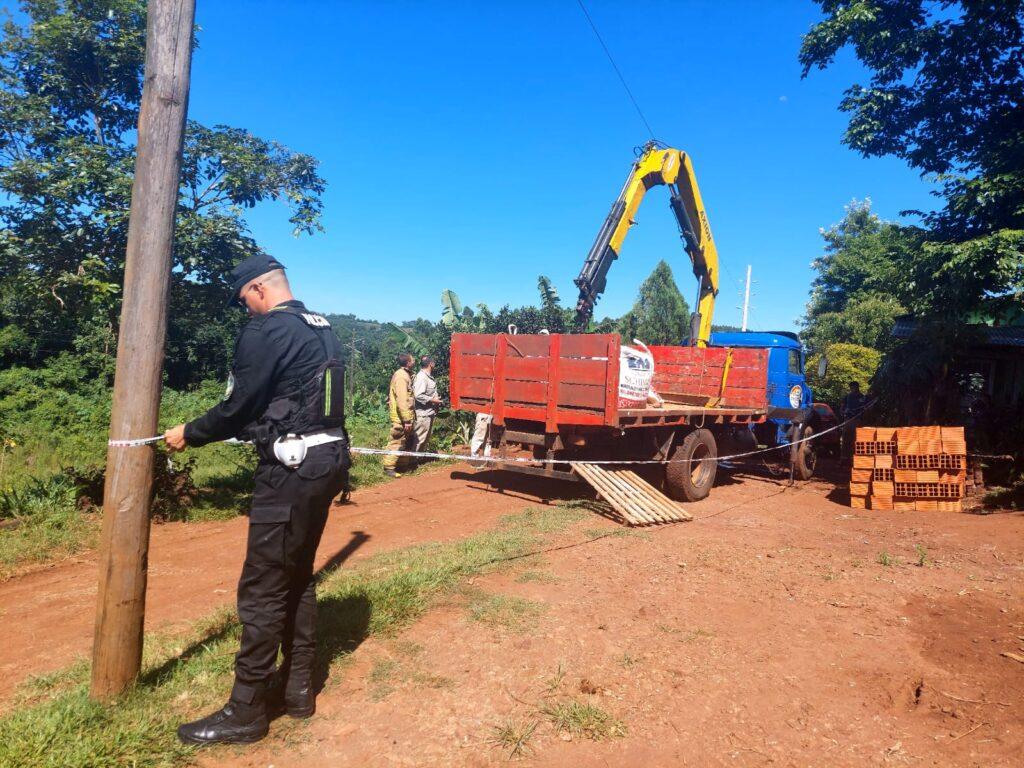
(615, 66)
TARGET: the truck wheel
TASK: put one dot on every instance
(806, 456)
(694, 464)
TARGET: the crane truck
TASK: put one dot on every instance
(557, 397)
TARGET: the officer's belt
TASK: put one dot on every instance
(291, 450)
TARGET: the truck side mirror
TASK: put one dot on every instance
(822, 366)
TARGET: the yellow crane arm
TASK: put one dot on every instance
(657, 165)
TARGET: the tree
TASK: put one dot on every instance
(846, 363)
(70, 86)
(946, 94)
(660, 314)
(864, 276)
(549, 298)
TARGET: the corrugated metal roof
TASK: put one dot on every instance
(990, 335)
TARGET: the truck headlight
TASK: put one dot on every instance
(795, 396)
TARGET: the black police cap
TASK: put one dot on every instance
(250, 269)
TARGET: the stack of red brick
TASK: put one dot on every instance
(909, 468)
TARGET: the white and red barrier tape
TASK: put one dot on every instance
(132, 443)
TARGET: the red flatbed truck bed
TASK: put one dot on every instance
(558, 395)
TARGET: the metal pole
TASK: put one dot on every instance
(746, 300)
(120, 609)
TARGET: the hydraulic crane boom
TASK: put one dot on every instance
(656, 165)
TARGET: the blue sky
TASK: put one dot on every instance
(476, 145)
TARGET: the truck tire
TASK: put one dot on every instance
(806, 456)
(693, 466)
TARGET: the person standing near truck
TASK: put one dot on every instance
(424, 392)
(403, 415)
(285, 394)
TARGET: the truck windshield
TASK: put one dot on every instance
(794, 361)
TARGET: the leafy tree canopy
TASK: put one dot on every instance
(946, 94)
(70, 86)
(863, 282)
(846, 363)
(660, 314)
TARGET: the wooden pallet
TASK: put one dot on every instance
(639, 502)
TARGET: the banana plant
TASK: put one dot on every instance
(549, 297)
(410, 342)
(451, 307)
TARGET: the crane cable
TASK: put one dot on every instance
(615, 66)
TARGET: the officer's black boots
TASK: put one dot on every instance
(234, 723)
(293, 693)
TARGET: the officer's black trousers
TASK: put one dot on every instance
(277, 593)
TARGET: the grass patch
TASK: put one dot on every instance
(537, 576)
(884, 558)
(388, 673)
(1011, 497)
(583, 719)
(922, 555)
(628, 661)
(40, 521)
(383, 677)
(184, 677)
(553, 683)
(503, 611)
(513, 736)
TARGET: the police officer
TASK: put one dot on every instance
(283, 394)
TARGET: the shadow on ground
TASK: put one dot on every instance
(342, 625)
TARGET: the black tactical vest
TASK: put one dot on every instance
(307, 406)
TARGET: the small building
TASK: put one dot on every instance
(994, 367)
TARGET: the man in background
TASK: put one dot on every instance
(403, 416)
(424, 392)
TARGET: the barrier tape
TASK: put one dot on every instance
(134, 443)
(522, 460)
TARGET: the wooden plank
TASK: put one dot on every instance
(528, 368)
(637, 501)
(585, 345)
(553, 372)
(619, 498)
(575, 371)
(610, 492)
(611, 382)
(738, 378)
(454, 373)
(527, 345)
(671, 511)
(498, 410)
(539, 414)
(478, 343)
(479, 366)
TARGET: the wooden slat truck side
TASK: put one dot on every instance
(557, 395)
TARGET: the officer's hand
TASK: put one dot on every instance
(175, 438)
(407, 427)
(436, 401)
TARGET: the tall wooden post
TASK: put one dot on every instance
(120, 610)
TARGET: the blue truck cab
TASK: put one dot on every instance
(789, 397)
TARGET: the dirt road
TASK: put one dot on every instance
(48, 613)
(780, 627)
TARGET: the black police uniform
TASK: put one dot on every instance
(275, 355)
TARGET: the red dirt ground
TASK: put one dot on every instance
(765, 632)
(194, 567)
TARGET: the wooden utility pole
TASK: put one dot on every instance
(120, 610)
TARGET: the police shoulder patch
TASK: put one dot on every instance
(316, 321)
